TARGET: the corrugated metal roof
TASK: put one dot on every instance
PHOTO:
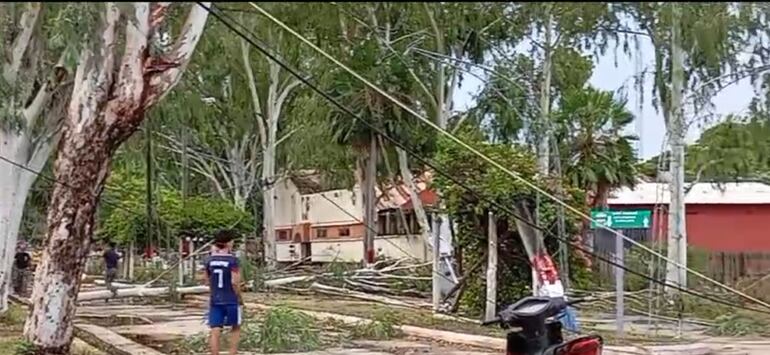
(648, 193)
(398, 195)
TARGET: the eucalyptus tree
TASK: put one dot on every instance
(552, 31)
(121, 73)
(551, 28)
(34, 89)
(697, 51)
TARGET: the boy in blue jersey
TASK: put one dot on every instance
(224, 279)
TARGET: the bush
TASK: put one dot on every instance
(126, 218)
(737, 324)
(470, 210)
(384, 326)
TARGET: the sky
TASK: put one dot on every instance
(649, 123)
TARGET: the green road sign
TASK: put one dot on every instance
(626, 219)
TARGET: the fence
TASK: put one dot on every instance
(731, 268)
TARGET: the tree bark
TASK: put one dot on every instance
(268, 193)
(108, 104)
(419, 210)
(368, 166)
(27, 145)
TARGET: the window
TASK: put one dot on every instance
(320, 233)
(283, 235)
(343, 232)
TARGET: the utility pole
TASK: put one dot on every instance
(149, 177)
(185, 192)
(561, 223)
(370, 212)
(491, 303)
(436, 247)
(543, 131)
(677, 228)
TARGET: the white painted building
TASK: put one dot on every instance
(327, 225)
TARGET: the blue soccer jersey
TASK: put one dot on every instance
(219, 268)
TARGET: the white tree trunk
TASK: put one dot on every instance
(108, 104)
(419, 210)
(268, 198)
(15, 184)
(29, 145)
(677, 231)
(543, 133)
(369, 199)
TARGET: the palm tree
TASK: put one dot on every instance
(599, 156)
(379, 112)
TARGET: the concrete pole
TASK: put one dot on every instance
(619, 284)
(677, 228)
(180, 277)
(436, 263)
(491, 304)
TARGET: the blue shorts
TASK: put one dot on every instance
(224, 315)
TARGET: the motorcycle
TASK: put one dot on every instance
(538, 334)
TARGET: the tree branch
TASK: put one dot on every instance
(28, 24)
(92, 79)
(698, 175)
(43, 97)
(127, 95)
(254, 94)
(282, 97)
(167, 71)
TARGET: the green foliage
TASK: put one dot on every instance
(713, 36)
(281, 330)
(284, 329)
(738, 324)
(641, 261)
(384, 326)
(738, 148)
(13, 318)
(597, 156)
(126, 220)
(469, 210)
(23, 347)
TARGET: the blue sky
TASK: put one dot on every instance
(649, 123)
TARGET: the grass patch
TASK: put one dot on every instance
(14, 318)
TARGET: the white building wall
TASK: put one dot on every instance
(346, 208)
(351, 250)
(287, 210)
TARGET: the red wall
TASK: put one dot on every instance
(721, 228)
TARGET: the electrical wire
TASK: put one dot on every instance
(264, 49)
(492, 161)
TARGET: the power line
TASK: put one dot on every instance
(492, 161)
(337, 104)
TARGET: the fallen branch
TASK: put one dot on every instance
(330, 290)
(139, 292)
(486, 342)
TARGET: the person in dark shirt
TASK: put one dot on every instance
(21, 263)
(111, 258)
(223, 278)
